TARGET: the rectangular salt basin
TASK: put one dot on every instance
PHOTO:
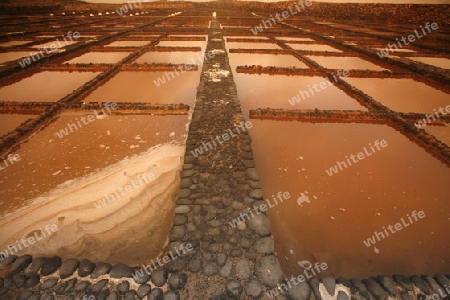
(9, 56)
(54, 43)
(14, 43)
(9, 122)
(442, 133)
(114, 175)
(128, 44)
(345, 63)
(277, 60)
(141, 87)
(99, 58)
(245, 37)
(182, 44)
(172, 57)
(245, 45)
(262, 91)
(296, 39)
(440, 62)
(45, 86)
(403, 95)
(312, 47)
(345, 209)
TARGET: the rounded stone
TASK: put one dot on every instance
(155, 294)
(242, 269)
(97, 287)
(35, 266)
(210, 269)
(234, 289)
(19, 265)
(6, 261)
(268, 270)
(376, 290)
(130, 295)
(260, 224)
(236, 252)
(123, 287)
(180, 219)
(330, 284)
(182, 209)
(300, 291)
(81, 286)
(143, 290)
(342, 296)
(142, 278)
(171, 295)
(265, 245)
(159, 277)
(86, 268)
(177, 281)
(48, 284)
(19, 280)
(177, 232)
(389, 284)
(252, 174)
(25, 295)
(253, 289)
(120, 271)
(226, 269)
(101, 268)
(68, 267)
(256, 194)
(50, 265)
(113, 296)
(195, 265)
(221, 258)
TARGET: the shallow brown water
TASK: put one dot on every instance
(9, 56)
(345, 63)
(345, 209)
(440, 62)
(280, 60)
(128, 44)
(45, 86)
(313, 47)
(99, 58)
(9, 122)
(140, 87)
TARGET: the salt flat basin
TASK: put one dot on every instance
(440, 62)
(440, 132)
(345, 63)
(245, 37)
(46, 86)
(55, 43)
(403, 95)
(9, 122)
(9, 56)
(247, 45)
(261, 91)
(296, 39)
(128, 44)
(60, 181)
(265, 60)
(99, 58)
(141, 87)
(182, 44)
(345, 209)
(313, 47)
(14, 43)
(173, 57)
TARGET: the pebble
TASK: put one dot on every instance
(260, 224)
(264, 246)
(101, 268)
(50, 265)
(268, 269)
(19, 265)
(68, 267)
(121, 270)
(177, 281)
(242, 269)
(234, 289)
(159, 277)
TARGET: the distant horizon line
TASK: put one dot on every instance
(273, 1)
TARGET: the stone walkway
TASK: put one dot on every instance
(212, 254)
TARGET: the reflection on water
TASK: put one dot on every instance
(172, 57)
(439, 62)
(45, 86)
(45, 187)
(345, 63)
(403, 95)
(261, 91)
(277, 60)
(245, 45)
(9, 122)
(141, 87)
(14, 43)
(8, 56)
(348, 207)
(313, 47)
(440, 132)
(128, 43)
(99, 58)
